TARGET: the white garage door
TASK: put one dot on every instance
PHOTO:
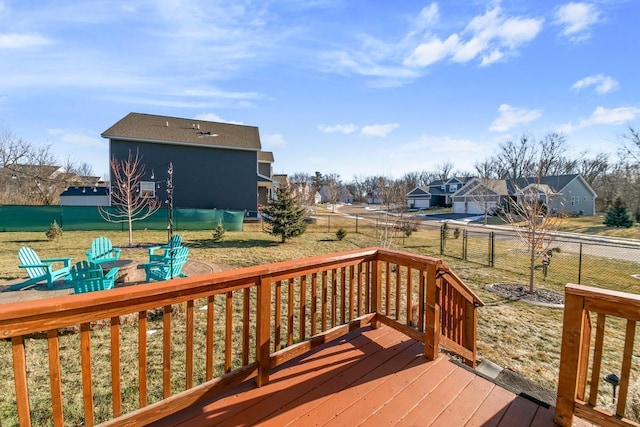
(471, 207)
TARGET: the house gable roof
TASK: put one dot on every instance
(173, 130)
(265, 157)
(419, 191)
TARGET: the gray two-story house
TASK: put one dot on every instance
(215, 165)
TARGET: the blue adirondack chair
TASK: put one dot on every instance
(41, 269)
(168, 268)
(88, 277)
(102, 251)
(174, 243)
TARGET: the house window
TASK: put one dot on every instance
(453, 187)
(573, 200)
(147, 189)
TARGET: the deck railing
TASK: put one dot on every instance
(216, 330)
(578, 345)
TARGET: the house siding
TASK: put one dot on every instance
(575, 199)
(203, 177)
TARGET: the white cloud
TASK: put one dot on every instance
(342, 128)
(488, 38)
(433, 51)
(380, 130)
(603, 84)
(440, 144)
(212, 117)
(77, 139)
(577, 19)
(274, 140)
(611, 116)
(512, 116)
(22, 41)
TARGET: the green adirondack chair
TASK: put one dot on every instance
(166, 269)
(88, 277)
(102, 251)
(41, 269)
(174, 243)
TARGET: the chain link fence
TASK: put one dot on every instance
(584, 260)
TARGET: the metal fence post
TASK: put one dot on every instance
(492, 247)
(441, 239)
(465, 236)
(580, 264)
(356, 224)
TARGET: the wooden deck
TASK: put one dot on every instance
(368, 377)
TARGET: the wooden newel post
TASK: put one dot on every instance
(376, 291)
(263, 339)
(570, 354)
(432, 330)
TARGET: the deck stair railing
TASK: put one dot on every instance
(167, 345)
(585, 359)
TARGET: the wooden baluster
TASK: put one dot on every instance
(228, 333)
(325, 298)
(263, 332)
(189, 347)
(210, 338)
(387, 289)
(583, 366)
(142, 358)
(597, 359)
(314, 304)
(85, 360)
(115, 367)
(343, 295)
(290, 313)
(166, 351)
(359, 297)
(367, 288)
(351, 291)
(54, 377)
(20, 378)
(408, 296)
(334, 297)
(303, 307)
(398, 292)
(376, 291)
(246, 325)
(277, 317)
(422, 283)
(625, 372)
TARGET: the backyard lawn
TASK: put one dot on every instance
(517, 336)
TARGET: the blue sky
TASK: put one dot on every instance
(352, 87)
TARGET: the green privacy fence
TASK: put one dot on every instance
(70, 218)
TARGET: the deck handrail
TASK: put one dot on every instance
(312, 300)
(573, 377)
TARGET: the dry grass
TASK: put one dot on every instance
(517, 336)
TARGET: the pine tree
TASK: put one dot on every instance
(617, 215)
(283, 215)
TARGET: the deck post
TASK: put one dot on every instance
(432, 329)
(263, 339)
(572, 336)
(376, 291)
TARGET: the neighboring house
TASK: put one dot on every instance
(569, 194)
(441, 190)
(419, 198)
(374, 197)
(266, 182)
(215, 165)
(306, 194)
(85, 196)
(344, 196)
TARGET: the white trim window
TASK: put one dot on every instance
(147, 189)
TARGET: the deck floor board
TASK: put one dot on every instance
(368, 377)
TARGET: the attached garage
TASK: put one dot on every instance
(474, 207)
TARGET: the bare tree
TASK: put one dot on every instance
(516, 159)
(129, 202)
(529, 215)
(333, 189)
(443, 170)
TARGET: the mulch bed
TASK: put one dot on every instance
(521, 293)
